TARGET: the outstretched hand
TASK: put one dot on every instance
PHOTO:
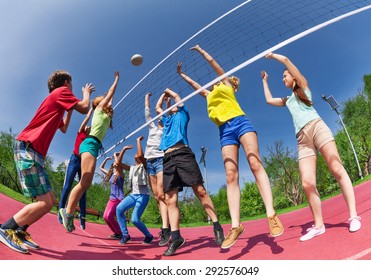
(269, 55)
(89, 88)
(264, 75)
(179, 68)
(197, 48)
(128, 147)
(140, 138)
(117, 74)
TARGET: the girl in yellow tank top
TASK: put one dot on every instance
(222, 104)
(235, 129)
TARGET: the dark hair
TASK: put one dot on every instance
(57, 79)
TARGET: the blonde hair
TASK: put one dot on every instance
(108, 109)
(235, 82)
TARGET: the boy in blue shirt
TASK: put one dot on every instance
(181, 170)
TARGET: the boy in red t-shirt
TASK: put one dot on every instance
(30, 149)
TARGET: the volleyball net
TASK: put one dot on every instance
(235, 39)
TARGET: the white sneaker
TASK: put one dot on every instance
(354, 223)
(313, 232)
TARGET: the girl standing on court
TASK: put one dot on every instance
(235, 129)
(115, 176)
(313, 135)
(89, 149)
(154, 157)
(139, 196)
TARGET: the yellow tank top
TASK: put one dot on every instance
(222, 104)
(99, 124)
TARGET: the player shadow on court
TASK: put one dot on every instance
(257, 240)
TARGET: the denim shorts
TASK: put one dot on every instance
(90, 145)
(231, 131)
(155, 166)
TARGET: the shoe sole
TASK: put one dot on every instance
(277, 234)
(229, 246)
(5, 242)
(163, 244)
(302, 240)
(32, 246)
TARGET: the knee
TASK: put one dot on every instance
(309, 185)
(231, 176)
(255, 165)
(135, 221)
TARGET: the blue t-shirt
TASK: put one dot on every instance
(175, 128)
(301, 113)
(117, 189)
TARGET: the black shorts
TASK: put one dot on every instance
(181, 170)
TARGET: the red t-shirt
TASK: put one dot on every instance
(79, 138)
(48, 118)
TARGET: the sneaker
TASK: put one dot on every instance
(165, 237)
(275, 226)
(219, 236)
(60, 220)
(232, 236)
(67, 220)
(313, 232)
(26, 239)
(148, 240)
(82, 226)
(125, 239)
(173, 246)
(354, 223)
(116, 236)
(10, 239)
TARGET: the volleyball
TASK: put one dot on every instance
(136, 59)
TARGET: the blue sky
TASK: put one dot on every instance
(92, 39)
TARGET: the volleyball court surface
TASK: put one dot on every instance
(254, 244)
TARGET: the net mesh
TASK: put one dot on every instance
(233, 39)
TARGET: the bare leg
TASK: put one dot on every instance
(307, 168)
(158, 191)
(88, 162)
(332, 158)
(249, 143)
(206, 201)
(230, 158)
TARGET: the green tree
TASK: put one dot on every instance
(282, 167)
(356, 115)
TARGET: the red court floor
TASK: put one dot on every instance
(254, 244)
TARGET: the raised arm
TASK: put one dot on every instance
(294, 71)
(83, 106)
(218, 70)
(146, 100)
(86, 120)
(159, 109)
(267, 93)
(118, 160)
(101, 167)
(66, 121)
(107, 100)
(172, 94)
(190, 81)
(140, 153)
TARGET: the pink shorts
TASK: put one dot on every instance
(312, 137)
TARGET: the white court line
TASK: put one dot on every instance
(359, 255)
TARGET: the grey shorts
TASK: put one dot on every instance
(181, 170)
